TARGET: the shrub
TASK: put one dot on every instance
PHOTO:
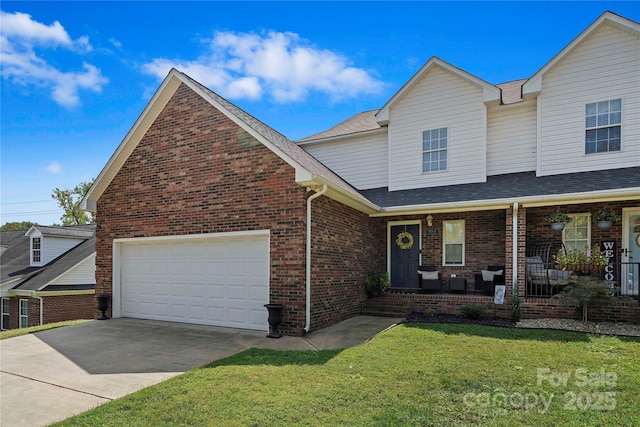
(430, 312)
(377, 283)
(472, 311)
(585, 292)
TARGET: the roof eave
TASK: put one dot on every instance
(343, 136)
(601, 196)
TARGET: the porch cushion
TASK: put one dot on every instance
(429, 275)
(488, 275)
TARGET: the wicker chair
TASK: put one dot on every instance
(429, 282)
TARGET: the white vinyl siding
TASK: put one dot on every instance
(53, 247)
(511, 139)
(605, 66)
(84, 273)
(361, 161)
(24, 313)
(440, 99)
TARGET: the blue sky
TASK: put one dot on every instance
(76, 75)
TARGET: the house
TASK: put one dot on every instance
(205, 213)
(48, 275)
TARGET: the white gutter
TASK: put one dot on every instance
(514, 248)
(307, 324)
(41, 307)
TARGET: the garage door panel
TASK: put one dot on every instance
(213, 282)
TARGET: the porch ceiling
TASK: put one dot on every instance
(524, 188)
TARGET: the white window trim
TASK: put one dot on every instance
(31, 250)
(603, 127)
(3, 313)
(588, 215)
(444, 243)
(422, 151)
(22, 315)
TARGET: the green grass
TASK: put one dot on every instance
(412, 375)
(24, 331)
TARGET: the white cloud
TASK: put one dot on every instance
(21, 36)
(248, 65)
(54, 167)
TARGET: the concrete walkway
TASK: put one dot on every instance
(51, 375)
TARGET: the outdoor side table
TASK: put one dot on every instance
(458, 284)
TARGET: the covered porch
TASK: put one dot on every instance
(460, 241)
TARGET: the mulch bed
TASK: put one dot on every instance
(417, 317)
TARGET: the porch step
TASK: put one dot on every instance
(384, 310)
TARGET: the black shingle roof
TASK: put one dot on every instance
(510, 186)
(14, 256)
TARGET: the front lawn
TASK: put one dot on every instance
(414, 374)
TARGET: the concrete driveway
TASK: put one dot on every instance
(52, 375)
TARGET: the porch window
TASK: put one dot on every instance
(602, 124)
(453, 242)
(24, 313)
(576, 235)
(434, 150)
(5, 313)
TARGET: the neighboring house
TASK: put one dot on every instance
(48, 275)
(206, 214)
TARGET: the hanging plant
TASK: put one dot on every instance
(404, 240)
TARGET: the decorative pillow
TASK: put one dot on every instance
(429, 275)
(487, 275)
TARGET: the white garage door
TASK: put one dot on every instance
(220, 281)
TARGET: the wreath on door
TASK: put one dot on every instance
(404, 240)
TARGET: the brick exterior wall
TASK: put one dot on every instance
(195, 171)
(55, 309)
(485, 241)
(347, 245)
(68, 307)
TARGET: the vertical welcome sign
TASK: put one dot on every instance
(608, 248)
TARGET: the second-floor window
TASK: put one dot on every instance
(602, 124)
(36, 250)
(434, 150)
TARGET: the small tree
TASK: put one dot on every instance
(585, 292)
(69, 200)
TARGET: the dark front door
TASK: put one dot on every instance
(405, 254)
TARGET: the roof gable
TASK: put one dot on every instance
(78, 232)
(533, 86)
(14, 257)
(308, 170)
(490, 93)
